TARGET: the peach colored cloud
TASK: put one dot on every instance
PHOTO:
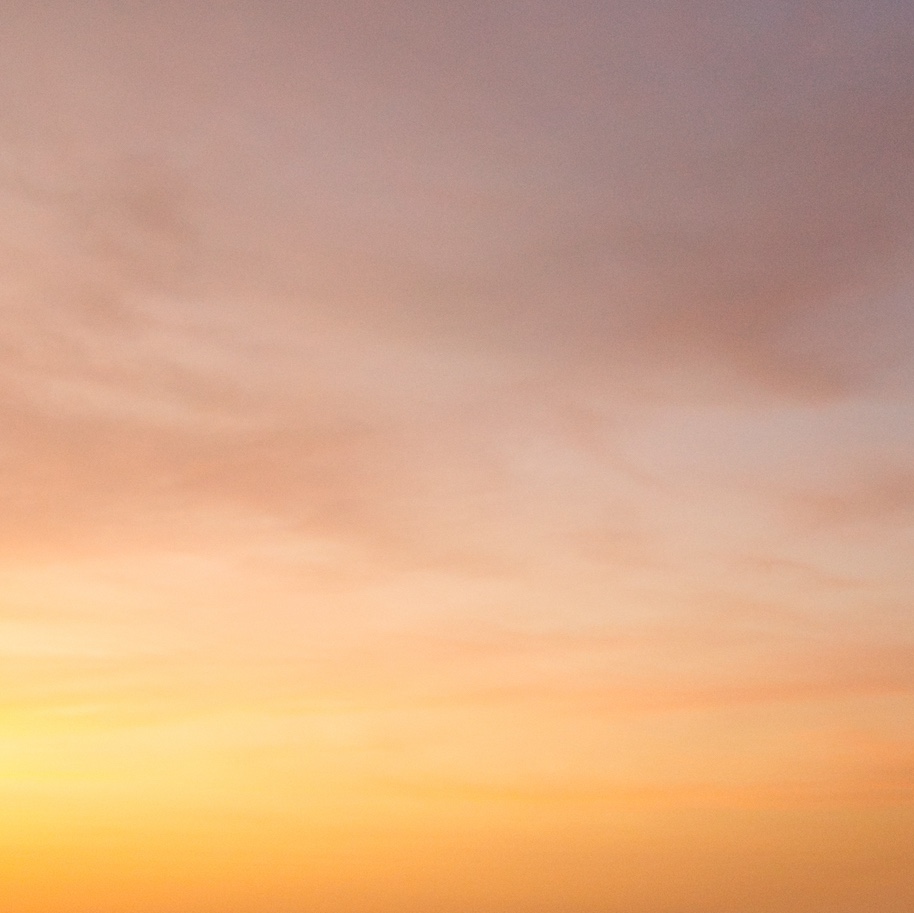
(456, 457)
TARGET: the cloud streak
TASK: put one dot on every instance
(456, 427)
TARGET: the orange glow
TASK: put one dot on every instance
(456, 457)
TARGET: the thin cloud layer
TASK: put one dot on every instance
(431, 431)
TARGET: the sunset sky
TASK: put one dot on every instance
(456, 458)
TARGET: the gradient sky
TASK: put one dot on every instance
(457, 457)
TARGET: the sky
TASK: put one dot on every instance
(456, 457)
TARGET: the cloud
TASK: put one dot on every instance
(644, 205)
(879, 495)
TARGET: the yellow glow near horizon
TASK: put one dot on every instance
(456, 458)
